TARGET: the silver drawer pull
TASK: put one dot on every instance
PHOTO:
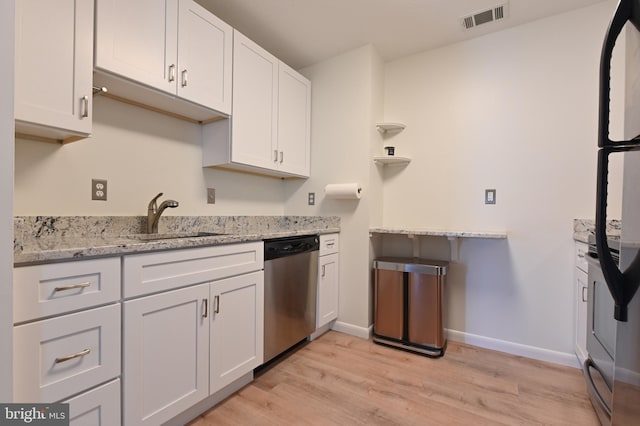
(85, 107)
(76, 355)
(217, 300)
(72, 287)
(331, 244)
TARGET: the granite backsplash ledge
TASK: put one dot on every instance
(28, 229)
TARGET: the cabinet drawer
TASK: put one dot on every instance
(97, 407)
(52, 289)
(329, 243)
(63, 356)
(154, 272)
(581, 252)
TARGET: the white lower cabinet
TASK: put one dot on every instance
(66, 346)
(183, 345)
(165, 358)
(236, 328)
(97, 407)
(581, 286)
(328, 280)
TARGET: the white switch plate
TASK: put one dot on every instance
(489, 196)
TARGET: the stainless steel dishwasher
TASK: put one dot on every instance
(290, 287)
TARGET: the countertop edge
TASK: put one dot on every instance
(119, 246)
(440, 233)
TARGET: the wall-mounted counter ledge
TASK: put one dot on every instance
(452, 236)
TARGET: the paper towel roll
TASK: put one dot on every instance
(345, 191)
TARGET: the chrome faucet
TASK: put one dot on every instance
(154, 212)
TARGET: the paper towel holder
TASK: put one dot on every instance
(344, 191)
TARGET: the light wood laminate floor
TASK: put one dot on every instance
(343, 380)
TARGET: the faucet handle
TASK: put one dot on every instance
(152, 204)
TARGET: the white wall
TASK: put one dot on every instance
(7, 13)
(345, 106)
(140, 153)
(515, 111)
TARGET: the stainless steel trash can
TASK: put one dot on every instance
(408, 304)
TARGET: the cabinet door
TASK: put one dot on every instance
(581, 314)
(328, 276)
(236, 328)
(204, 57)
(138, 40)
(255, 103)
(54, 51)
(294, 122)
(165, 354)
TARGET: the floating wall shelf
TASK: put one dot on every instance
(390, 127)
(392, 160)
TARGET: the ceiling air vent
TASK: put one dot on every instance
(485, 16)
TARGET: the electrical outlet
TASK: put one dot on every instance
(99, 189)
(211, 195)
(312, 198)
(489, 196)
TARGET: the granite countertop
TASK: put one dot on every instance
(582, 228)
(439, 233)
(43, 239)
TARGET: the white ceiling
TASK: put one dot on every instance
(304, 32)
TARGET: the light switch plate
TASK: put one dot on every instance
(211, 195)
(489, 196)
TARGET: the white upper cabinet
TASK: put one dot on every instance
(255, 102)
(205, 52)
(54, 61)
(294, 121)
(138, 40)
(270, 130)
(174, 46)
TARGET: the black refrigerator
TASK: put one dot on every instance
(623, 278)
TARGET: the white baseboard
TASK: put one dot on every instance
(533, 352)
(354, 330)
(562, 358)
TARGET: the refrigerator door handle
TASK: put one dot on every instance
(622, 285)
(626, 11)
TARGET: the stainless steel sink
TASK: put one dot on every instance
(172, 235)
